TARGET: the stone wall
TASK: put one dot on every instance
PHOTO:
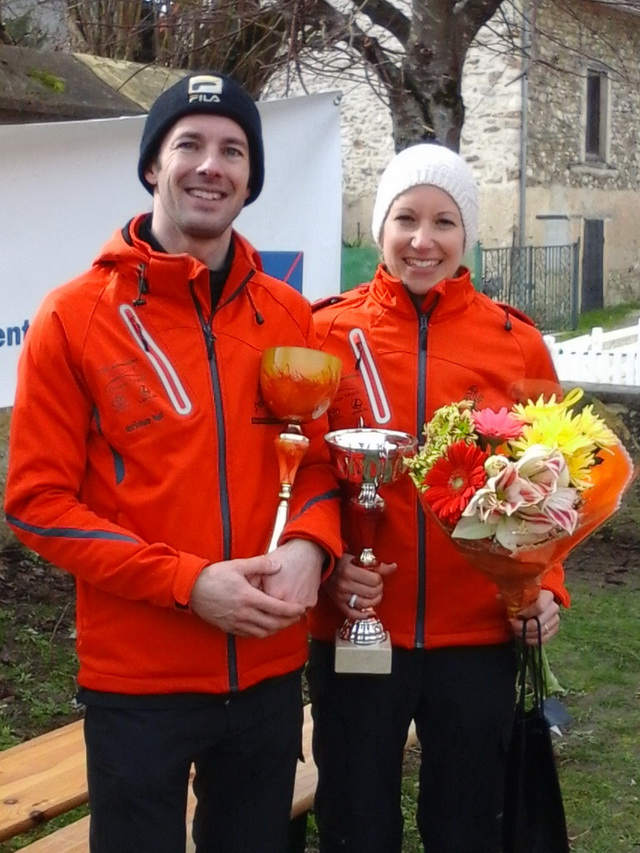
(492, 94)
(595, 40)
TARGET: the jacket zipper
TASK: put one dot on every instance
(209, 339)
(423, 337)
(423, 333)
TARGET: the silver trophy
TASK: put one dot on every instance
(366, 459)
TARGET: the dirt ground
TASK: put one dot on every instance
(41, 598)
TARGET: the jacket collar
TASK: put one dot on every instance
(448, 298)
(158, 273)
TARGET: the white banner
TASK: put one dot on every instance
(65, 187)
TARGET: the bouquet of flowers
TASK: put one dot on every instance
(518, 488)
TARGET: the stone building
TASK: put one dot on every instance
(556, 151)
(553, 139)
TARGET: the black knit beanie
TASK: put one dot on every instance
(205, 93)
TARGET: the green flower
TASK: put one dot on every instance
(448, 425)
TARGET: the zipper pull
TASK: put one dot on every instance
(209, 339)
(423, 329)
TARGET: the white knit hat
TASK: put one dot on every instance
(437, 166)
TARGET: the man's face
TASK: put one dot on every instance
(200, 178)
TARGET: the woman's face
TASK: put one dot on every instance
(423, 238)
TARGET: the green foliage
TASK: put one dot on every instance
(358, 265)
(56, 84)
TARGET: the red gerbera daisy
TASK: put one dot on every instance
(454, 479)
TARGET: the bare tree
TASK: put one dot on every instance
(412, 51)
(246, 38)
(413, 58)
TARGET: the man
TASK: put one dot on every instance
(142, 461)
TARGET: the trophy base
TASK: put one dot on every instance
(374, 659)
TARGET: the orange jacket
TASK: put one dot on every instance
(141, 451)
(400, 364)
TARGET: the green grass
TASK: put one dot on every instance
(597, 656)
(39, 667)
(50, 826)
(616, 316)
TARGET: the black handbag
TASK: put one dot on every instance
(533, 819)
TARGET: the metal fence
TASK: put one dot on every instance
(542, 281)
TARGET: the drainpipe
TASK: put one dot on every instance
(524, 94)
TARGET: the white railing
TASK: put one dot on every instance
(603, 358)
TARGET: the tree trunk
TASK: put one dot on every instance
(428, 103)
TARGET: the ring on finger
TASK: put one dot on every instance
(353, 599)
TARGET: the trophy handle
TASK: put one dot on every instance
(291, 446)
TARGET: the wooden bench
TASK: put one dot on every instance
(46, 777)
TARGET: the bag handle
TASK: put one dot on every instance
(531, 661)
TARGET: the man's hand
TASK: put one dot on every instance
(354, 589)
(300, 573)
(225, 594)
(546, 608)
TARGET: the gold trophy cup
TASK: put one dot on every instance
(366, 459)
(298, 385)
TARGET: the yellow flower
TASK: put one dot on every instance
(595, 428)
(530, 411)
(557, 429)
(580, 465)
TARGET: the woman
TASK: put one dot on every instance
(415, 338)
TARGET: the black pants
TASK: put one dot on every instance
(244, 749)
(462, 701)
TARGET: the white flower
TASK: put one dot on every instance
(545, 467)
(523, 502)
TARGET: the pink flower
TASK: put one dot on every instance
(560, 507)
(501, 425)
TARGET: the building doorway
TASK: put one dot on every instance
(593, 265)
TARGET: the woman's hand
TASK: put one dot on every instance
(354, 589)
(546, 608)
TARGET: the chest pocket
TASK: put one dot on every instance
(158, 360)
(377, 399)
